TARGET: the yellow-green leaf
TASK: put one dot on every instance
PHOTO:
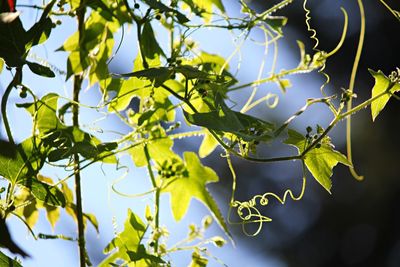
(198, 260)
(183, 189)
(208, 145)
(382, 84)
(319, 161)
(53, 215)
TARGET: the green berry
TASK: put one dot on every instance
(23, 94)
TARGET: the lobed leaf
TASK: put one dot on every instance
(382, 84)
(319, 161)
(50, 195)
(127, 245)
(183, 189)
(226, 120)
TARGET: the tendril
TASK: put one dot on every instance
(247, 210)
(249, 213)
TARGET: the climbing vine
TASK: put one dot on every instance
(181, 91)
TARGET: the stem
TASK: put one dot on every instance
(78, 191)
(271, 78)
(157, 204)
(139, 23)
(351, 88)
(16, 80)
(55, 13)
(78, 78)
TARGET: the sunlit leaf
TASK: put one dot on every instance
(29, 207)
(97, 47)
(226, 120)
(198, 260)
(319, 160)
(382, 84)
(159, 150)
(156, 75)
(208, 145)
(204, 8)
(93, 220)
(44, 112)
(66, 140)
(183, 189)
(129, 89)
(52, 215)
(218, 241)
(127, 243)
(41, 30)
(28, 160)
(50, 195)
(151, 50)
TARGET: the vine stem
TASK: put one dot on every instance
(78, 79)
(139, 24)
(16, 80)
(157, 204)
(351, 88)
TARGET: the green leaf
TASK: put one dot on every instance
(41, 30)
(64, 140)
(30, 212)
(159, 150)
(94, 50)
(319, 161)
(208, 145)
(149, 45)
(126, 245)
(71, 140)
(242, 125)
(40, 70)
(52, 215)
(16, 41)
(142, 257)
(44, 112)
(183, 189)
(24, 161)
(50, 195)
(129, 89)
(382, 84)
(93, 220)
(203, 8)
(157, 5)
(13, 40)
(218, 241)
(156, 75)
(198, 260)
(6, 261)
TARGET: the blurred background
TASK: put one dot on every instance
(355, 226)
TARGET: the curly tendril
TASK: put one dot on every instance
(248, 211)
